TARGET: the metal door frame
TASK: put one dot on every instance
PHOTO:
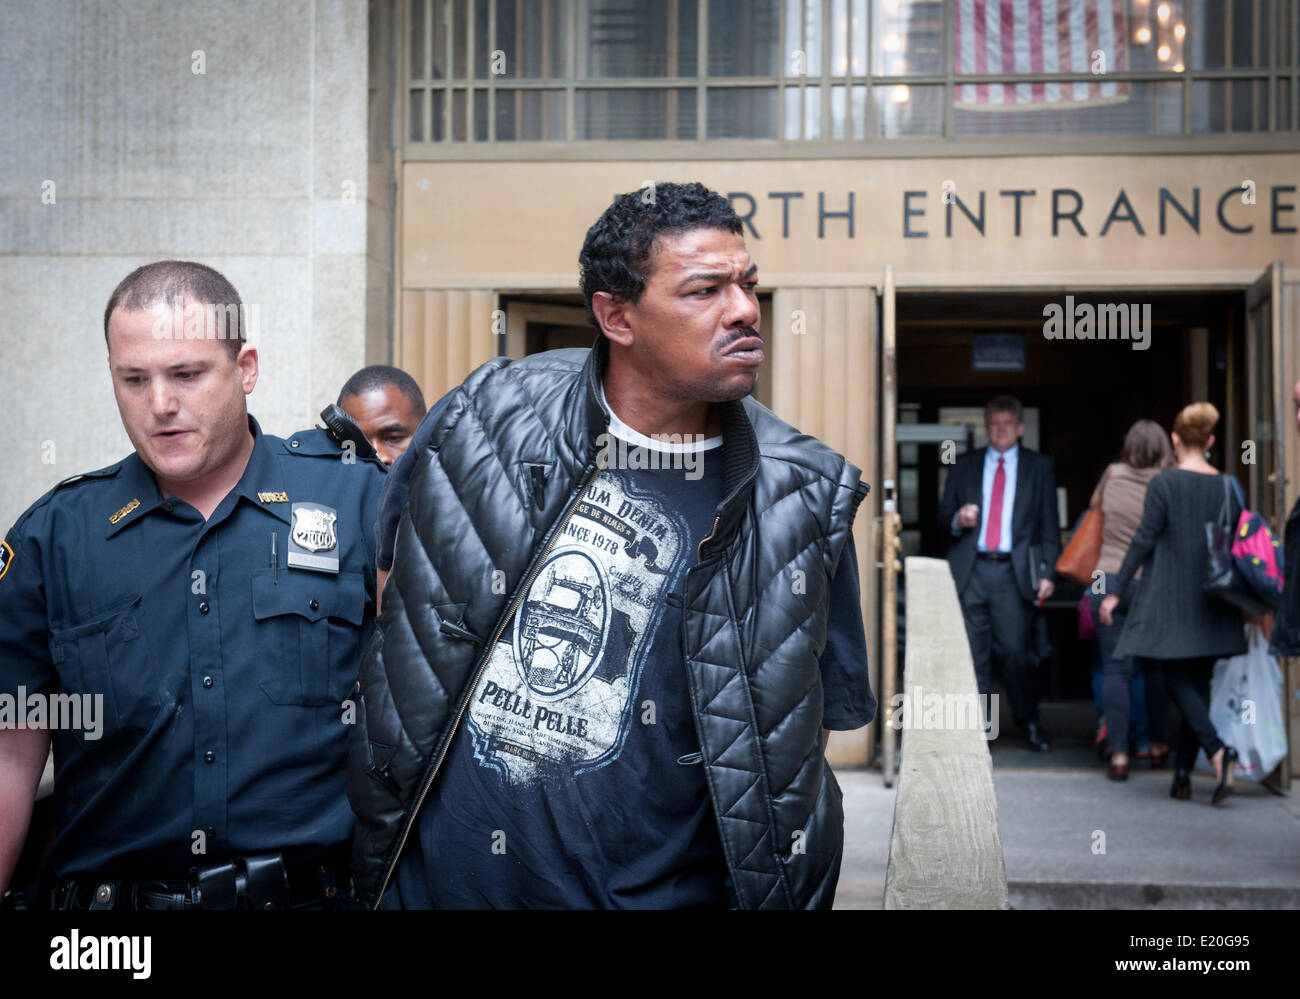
(890, 524)
(1267, 289)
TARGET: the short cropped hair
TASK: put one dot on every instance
(177, 283)
(1004, 404)
(379, 377)
(616, 253)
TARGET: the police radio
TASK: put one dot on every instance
(344, 429)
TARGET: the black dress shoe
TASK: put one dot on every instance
(1226, 780)
(1182, 786)
(1036, 738)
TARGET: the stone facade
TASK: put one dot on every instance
(232, 133)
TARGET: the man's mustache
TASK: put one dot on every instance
(741, 335)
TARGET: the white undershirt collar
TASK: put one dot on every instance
(622, 431)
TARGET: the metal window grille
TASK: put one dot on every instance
(494, 72)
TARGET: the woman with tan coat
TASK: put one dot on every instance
(1120, 496)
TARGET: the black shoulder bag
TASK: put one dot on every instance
(1222, 580)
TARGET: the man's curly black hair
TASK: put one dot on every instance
(616, 253)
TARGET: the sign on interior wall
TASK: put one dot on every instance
(997, 352)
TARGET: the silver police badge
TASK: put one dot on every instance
(315, 531)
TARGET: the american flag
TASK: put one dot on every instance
(1039, 36)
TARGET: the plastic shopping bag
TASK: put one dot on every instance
(1246, 708)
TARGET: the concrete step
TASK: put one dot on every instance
(1156, 853)
(1043, 894)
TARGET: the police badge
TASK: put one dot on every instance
(314, 532)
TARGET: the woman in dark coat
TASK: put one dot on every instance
(1173, 623)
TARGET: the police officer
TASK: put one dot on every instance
(387, 405)
(187, 625)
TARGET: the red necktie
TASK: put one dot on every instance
(994, 533)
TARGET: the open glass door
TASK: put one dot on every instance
(890, 525)
(1267, 396)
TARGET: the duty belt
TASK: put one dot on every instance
(261, 881)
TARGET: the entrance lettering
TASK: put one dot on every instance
(1067, 212)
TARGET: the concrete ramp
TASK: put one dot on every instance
(945, 851)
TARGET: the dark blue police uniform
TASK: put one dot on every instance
(224, 662)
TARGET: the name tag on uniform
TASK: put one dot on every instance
(314, 538)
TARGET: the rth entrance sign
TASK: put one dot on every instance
(940, 222)
(922, 218)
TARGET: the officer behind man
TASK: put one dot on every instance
(213, 592)
(387, 405)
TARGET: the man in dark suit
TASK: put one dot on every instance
(999, 507)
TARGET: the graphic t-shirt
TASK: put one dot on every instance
(575, 778)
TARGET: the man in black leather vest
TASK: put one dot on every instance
(623, 608)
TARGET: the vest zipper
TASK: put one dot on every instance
(511, 608)
(699, 550)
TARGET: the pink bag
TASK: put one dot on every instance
(1087, 626)
(1258, 555)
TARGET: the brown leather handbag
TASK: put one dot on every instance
(1081, 555)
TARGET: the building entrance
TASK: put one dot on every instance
(1081, 393)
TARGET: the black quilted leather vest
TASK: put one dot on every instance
(512, 451)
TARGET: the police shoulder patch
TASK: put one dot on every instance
(6, 558)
